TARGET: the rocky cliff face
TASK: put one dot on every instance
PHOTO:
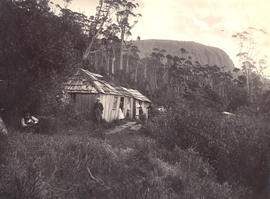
(200, 53)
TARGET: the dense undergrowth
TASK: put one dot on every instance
(185, 152)
(236, 145)
(61, 166)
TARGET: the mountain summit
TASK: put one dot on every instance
(205, 55)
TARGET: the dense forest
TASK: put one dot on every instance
(192, 150)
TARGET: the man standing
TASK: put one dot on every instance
(141, 114)
(98, 110)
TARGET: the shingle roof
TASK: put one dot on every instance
(87, 82)
(137, 95)
(77, 85)
(124, 91)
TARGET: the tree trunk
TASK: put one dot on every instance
(136, 73)
(127, 65)
(155, 69)
(108, 65)
(145, 71)
(121, 49)
(95, 60)
(113, 62)
(94, 37)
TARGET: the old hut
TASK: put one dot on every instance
(85, 87)
(139, 100)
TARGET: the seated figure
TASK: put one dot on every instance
(3, 129)
(29, 123)
(3, 140)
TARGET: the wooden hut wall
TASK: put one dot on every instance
(137, 105)
(111, 106)
(145, 106)
(132, 101)
(127, 107)
(84, 103)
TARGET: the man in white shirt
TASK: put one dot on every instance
(29, 122)
(3, 128)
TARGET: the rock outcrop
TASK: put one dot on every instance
(199, 52)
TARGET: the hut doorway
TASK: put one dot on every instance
(122, 104)
(134, 109)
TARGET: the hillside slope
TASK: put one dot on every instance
(199, 52)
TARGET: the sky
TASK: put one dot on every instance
(210, 22)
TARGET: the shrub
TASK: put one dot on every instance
(187, 175)
(61, 166)
(44, 167)
(228, 143)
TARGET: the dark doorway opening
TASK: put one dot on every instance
(134, 109)
(122, 104)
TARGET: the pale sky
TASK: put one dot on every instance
(210, 22)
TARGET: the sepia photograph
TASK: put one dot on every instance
(134, 99)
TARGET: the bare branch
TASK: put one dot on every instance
(97, 180)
